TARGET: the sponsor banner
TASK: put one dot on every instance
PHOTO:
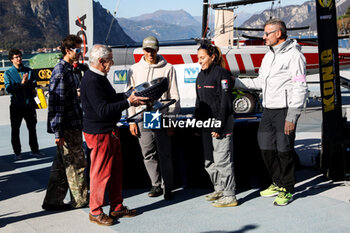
(190, 74)
(186, 75)
(2, 84)
(120, 76)
(42, 77)
(329, 69)
(80, 14)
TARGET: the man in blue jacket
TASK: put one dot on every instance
(21, 83)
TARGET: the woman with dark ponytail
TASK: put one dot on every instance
(214, 101)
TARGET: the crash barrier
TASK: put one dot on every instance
(250, 171)
(42, 76)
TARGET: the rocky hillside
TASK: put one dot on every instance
(163, 31)
(102, 22)
(31, 24)
(165, 25)
(177, 17)
(294, 16)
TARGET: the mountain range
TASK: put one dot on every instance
(172, 25)
(165, 25)
(294, 16)
(31, 24)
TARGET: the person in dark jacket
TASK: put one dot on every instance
(214, 101)
(102, 108)
(20, 83)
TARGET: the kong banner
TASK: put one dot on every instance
(329, 69)
(331, 159)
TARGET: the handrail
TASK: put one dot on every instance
(3, 62)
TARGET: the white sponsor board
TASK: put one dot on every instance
(81, 22)
(186, 75)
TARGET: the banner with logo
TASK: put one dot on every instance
(2, 84)
(331, 159)
(329, 69)
(42, 77)
(81, 23)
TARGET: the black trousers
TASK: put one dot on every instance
(277, 148)
(17, 114)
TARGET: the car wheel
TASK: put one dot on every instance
(244, 104)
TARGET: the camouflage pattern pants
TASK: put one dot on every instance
(67, 172)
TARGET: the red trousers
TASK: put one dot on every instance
(105, 171)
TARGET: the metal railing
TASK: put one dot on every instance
(8, 63)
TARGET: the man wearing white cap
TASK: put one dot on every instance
(155, 144)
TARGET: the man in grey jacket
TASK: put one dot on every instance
(282, 79)
(155, 144)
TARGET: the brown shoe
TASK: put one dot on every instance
(101, 219)
(123, 213)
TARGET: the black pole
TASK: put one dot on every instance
(330, 161)
(205, 19)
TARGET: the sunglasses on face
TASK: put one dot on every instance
(149, 50)
(76, 50)
(268, 33)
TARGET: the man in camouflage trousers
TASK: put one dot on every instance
(65, 121)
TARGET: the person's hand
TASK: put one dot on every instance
(289, 127)
(134, 130)
(78, 92)
(215, 135)
(137, 100)
(59, 141)
(25, 78)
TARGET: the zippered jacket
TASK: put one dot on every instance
(214, 98)
(282, 79)
(144, 72)
(21, 94)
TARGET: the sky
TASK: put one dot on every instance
(131, 8)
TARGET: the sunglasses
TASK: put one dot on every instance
(76, 50)
(17, 57)
(149, 50)
(268, 33)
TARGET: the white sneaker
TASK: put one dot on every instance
(214, 196)
(226, 201)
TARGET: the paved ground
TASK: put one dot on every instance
(319, 206)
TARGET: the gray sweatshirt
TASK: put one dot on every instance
(144, 72)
